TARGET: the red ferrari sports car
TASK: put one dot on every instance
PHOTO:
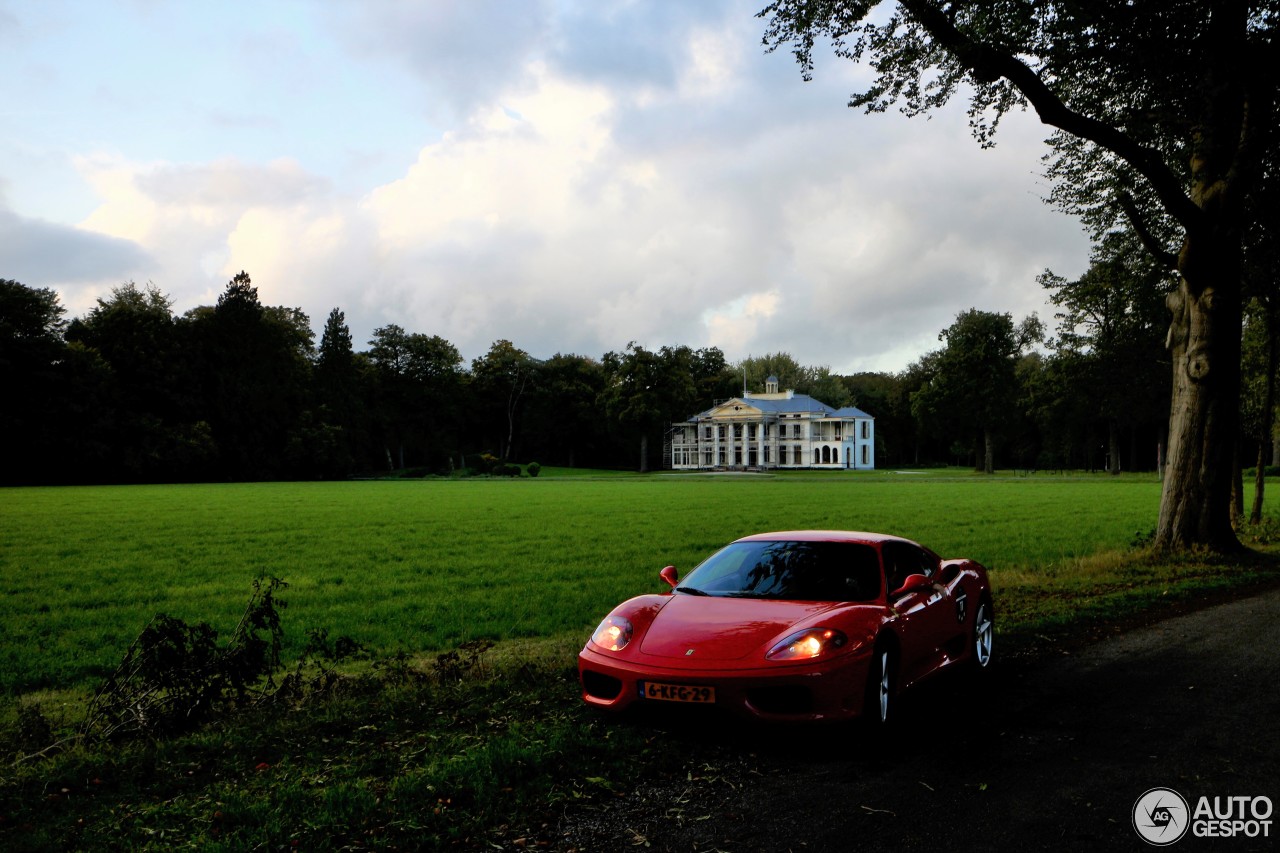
(800, 625)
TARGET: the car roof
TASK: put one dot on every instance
(825, 536)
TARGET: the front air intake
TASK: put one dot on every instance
(601, 686)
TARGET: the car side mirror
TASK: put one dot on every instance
(669, 575)
(912, 583)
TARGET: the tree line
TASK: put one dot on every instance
(238, 390)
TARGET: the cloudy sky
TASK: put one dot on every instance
(570, 175)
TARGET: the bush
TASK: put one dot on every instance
(34, 731)
(533, 469)
(452, 666)
(482, 463)
(175, 676)
(504, 470)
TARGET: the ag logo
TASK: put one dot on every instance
(1161, 816)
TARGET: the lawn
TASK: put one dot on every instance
(423, 565)
(424, 760)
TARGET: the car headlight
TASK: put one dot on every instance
(613, 634)
(807, 644)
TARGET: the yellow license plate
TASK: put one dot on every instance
(677, 692)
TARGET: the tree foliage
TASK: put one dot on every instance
(1110, 335)
(646, 391)
(1163, 112)
(418, 381)
(254, 361)
(562, 419)
(145, 397)
(816, 381)
(502, 376)
(32, 367)
(974, 384)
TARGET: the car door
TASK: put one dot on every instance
(925, 617)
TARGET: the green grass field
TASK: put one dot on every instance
(423, 565)
(419, 565)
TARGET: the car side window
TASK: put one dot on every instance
(922, 562)
(894, 572)
(901, 559)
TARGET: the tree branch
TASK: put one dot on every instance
(1157, 249)
(988, 63)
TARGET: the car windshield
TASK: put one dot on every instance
(803, 571)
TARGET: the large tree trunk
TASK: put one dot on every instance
(1204, 337)
(644, 453)
(1113, 447)
(988, 451)
(513, 400)
(1259, 484)
(1268, 414)
(1237, 488)
(1204, 341)
(1161, 441)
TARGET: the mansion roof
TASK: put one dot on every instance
(787, 403)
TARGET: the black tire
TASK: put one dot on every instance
(877, 709)
(982, 638)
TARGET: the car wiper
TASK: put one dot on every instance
(690, 590)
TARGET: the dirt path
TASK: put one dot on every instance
(1053, 756)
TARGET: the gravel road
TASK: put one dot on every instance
(1051, 753)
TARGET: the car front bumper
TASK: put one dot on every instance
(820, 690)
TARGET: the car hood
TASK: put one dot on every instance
(699, 628)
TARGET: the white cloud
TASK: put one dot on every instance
(203, 223)
(515, 167)
(714, 63)
(733, 327)
(42, 254)
(465, 52)
(611, 172)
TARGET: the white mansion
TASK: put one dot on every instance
(776, 429)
